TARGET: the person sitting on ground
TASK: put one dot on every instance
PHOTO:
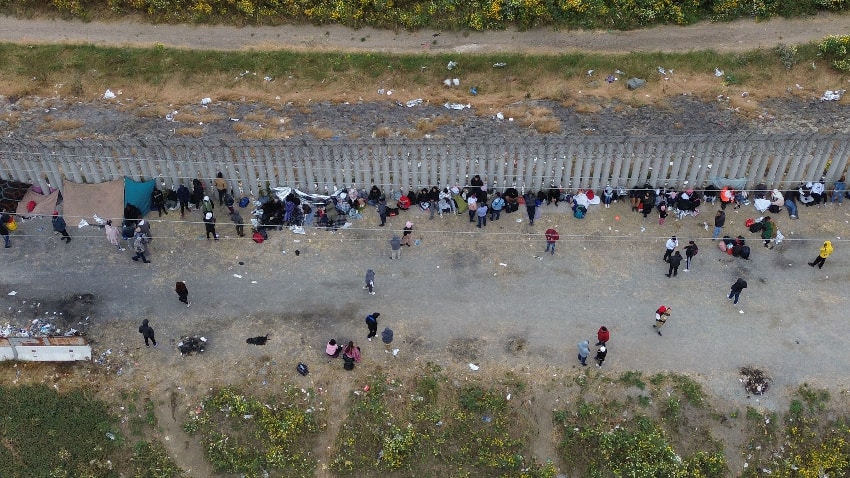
(351, 351)
(332, 349)
(805, 196)
(838, 190)
(791, 202)
(375, 195)
(819, 192)
(580, 200)
(776, 198)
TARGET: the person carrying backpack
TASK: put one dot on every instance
(496, 207)
(372, 323)
(140, 246)
(691, 250)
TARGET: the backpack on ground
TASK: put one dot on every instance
(580, 212)
(302, 369)
(258, 237)
(348, 363)
(745, 252)
(756, 227)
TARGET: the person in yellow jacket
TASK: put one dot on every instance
(825, 251)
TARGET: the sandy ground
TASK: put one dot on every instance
(734, 36)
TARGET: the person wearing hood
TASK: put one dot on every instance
(395, 246)
(583, 352)
(370, 282)
(825, 251)
(603, 335)
(776, 198)
(382, 210)
(530, 206)
(140, 246)
(387, 336)
(819, 192)
(182, 292)
(675, 260)
(209, 225)
(183, 196)
(147, 332)
(806, 194)
(607, 196)
(372, 324)
(407, 234)
(207, 205)
(60, 227)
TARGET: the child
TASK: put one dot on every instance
(600, 355)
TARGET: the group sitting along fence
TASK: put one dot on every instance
(319, 166)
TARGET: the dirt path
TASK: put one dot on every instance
(734, 36)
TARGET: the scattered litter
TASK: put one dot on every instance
(237, 276)
(451, 65)
(83, 223)
(618, 72)
(664, 71)
(382, 91)
(206, 101)
(389, 92)
(268, 79)
(412, 103)
(395, 352)
(741, 311)
(499, 65)
(832, 95)
(253, 282)
(590, 72)
(473, 367)
(108, 95)
(473, 90)
(635, 83)
(110, 436)
(13, 293)
(503, 264)
(500, 116)
(456, 106)
(611, 79)
(745, 94)
(486, 419)
(508, 397)
(754, 380)
(798, 86)
(191, 344)
(170, 116)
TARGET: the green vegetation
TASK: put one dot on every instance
(247, 435)
(836, 49)
(439, 14)
(57, 435)
(150, 460)
(468, 431)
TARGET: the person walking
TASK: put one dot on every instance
(825, 251)
(182, 293)
(4, 228)
(207, 205)
(671, 246)
(395, 246)
(372, 324)
(675, 260)
(530, 206)
(370, 282)
(158, 200)
(552, 237)
(407, 234)
(481, 212)
(737, 287)
(220, 186)
(691, 250)
(661, 316)
(147, 332)
(387, 336)
(719, 222)
(140, 246)
(601, 353)
(60, 227)
(496, 207)
(602, 335)
(382, 210)
(583, 352)
(183, 196)
(113, 235)
(662, 213)
(239, 222)
(209, 225)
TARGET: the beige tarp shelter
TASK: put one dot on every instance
(44, 204)
(84, 201)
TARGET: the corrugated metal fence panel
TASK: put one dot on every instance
(391, 163)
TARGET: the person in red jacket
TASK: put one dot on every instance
(602, 335)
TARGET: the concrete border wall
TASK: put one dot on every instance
(399, 163)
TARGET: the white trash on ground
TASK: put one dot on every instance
(412, 103)
(456, 106)
(451, 65)
(832, 95)
(108, 95)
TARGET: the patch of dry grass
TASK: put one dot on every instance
(190, 132)
(382, 132)
(51, 123)
(321, 133)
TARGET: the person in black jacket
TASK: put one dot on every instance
(158, 200)
(4, 229)
(434, 200)
(147, 332)
(184, 196)
(737, 287)
(675, 260)
(59, 226)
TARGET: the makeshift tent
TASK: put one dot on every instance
(737, 184)
(44, 205)
(11, 192)
(139, 194)
(84, 201)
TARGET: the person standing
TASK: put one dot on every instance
(496, 207)
(238, 221)
(530, 206)
(113, 235)
(207, 205)
(583, 352)
(382, 210)
(671, 246)
(370, 282)
(147, 332)
(395, 246)
(737, 287)
(433, 201)
(209, 225)
(387, 336)
(481, 212)
(182, 293)
(552, 237)
(372, 324)
(768, 231)
(158, 200)
(675, 260)
(140, 246)
(220, 186)
(601, 353)
(690, 251)
(719, 222)
(662, 213)
(825, 251)
(184, 196)
(60, 227)
(4, 228)
(602, 335)
(661, 316)
(407, 234)
(838, 190)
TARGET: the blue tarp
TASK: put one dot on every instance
(138, 194)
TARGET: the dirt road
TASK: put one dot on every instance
(734, 36)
